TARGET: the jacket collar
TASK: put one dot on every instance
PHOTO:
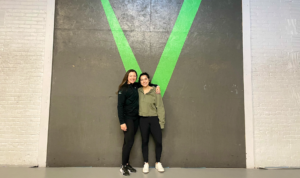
(142, 91)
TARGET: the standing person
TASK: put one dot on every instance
(152, 113)
(128, 112)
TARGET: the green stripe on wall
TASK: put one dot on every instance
(175, 43)
(125, 51)
(173, 47)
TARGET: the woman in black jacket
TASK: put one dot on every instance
(128, 112)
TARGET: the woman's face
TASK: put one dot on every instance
(131, 77)
(144, 80)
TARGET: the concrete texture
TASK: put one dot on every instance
(203, 101)
(169, 173)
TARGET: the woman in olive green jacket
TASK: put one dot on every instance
(152, 113)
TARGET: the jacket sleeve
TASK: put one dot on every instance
(153, 85)
(121, 103)
(160, 111)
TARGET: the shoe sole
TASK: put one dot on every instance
(123, 172)
(145, 172)
(160, 171)
(131, 172)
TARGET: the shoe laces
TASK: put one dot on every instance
(159, 164)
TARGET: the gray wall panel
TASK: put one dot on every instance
(203, 101)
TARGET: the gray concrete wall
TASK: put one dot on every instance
(203, 101)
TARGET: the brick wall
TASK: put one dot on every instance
(275, 46)
(22, 47)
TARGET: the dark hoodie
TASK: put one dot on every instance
(128, 102)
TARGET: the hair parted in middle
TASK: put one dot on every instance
(148, 76)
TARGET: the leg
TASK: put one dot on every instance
(157, 136)
(136, 124)
(144, 126)
(128, 141)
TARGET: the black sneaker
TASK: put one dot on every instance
(124, 170)
(130, 168)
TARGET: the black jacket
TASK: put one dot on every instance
(128, 102)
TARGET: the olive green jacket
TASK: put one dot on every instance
(151, 104)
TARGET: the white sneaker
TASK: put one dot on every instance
(146, 168)
(159, 167)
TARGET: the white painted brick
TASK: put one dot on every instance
(22, 47)
(275, 45)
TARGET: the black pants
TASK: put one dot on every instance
(132, 127)
(151, 125)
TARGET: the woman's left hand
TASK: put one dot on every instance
(157, 90)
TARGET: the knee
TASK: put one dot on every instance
(159, 144)
(145, 142)
(130, 141)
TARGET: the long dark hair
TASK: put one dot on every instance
(125, 79)
(148, 76)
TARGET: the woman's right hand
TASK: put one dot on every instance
(124, 127)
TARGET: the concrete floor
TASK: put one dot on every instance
(169, 173)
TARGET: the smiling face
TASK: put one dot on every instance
(131, 78)
(144, 80)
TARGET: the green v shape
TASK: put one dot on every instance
(172, 49)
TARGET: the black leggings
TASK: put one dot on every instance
(151, 125)
(132, 127)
